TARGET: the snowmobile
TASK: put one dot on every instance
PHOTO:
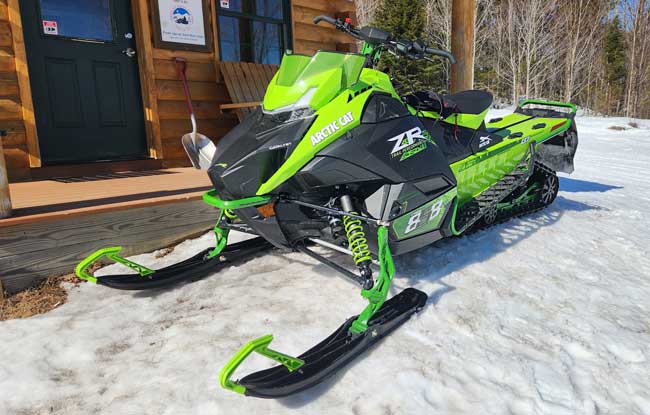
(336, 158)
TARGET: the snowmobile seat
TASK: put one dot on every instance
(472, 101)
(465, 102)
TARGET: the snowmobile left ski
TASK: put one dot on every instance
(196, 267)
(337, 157)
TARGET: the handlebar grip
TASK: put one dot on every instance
(442, 53)
(322, 17)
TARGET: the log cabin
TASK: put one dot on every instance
(89, 84)
(94, 109)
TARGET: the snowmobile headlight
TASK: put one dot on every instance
(298, 110)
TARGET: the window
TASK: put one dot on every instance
(88, 19)
(254, 30)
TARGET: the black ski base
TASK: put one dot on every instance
(193, 268)
(337, 350)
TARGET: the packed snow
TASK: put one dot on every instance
(547, 314)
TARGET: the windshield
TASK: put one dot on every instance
(312, 79)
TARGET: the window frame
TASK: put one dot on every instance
(114, 34)
(285, 24)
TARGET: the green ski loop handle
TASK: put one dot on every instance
(378, 293)
(111, 253)
(259, 345)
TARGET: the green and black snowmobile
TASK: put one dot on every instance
(337, 158)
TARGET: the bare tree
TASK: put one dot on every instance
(636, 15)
(581, 31)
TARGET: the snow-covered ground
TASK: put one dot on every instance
(549, 314)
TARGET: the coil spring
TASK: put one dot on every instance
(230, 214)
(357, 241)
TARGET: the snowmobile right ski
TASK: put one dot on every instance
(323, 360)
(352, 338)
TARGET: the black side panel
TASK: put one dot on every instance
(325, 171)
(455, 142)
(396, 150)
(252, 151)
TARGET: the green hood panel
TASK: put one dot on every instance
(316, 80)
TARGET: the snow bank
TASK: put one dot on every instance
(547, 314)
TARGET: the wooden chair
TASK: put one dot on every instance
(246, 83)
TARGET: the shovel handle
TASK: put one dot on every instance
(181, 67)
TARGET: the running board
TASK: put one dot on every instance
(323, 360)
(194, 268)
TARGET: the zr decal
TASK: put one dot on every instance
(408, 143)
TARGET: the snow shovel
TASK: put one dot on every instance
(199, 148)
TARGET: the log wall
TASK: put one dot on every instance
(165, 112)
(11, 109)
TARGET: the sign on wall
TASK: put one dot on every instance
(182, 24)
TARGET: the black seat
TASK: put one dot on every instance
(465, 102)
(469, 102)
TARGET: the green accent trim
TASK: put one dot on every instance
(472, 121)
(452, 226)
(377, 294)
(112, 254)
(523, 198)
(259, 345)
(211, 198)
(221, 238)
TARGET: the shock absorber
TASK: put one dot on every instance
(357, 242)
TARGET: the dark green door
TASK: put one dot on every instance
(84, 77)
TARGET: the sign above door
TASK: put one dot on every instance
(182, 24)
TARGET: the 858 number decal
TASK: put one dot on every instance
(416, 218)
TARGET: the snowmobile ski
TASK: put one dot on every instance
(196, 267)
(323, 360)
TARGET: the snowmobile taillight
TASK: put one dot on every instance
(556, 126)
(267, 210)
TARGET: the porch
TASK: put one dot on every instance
(57, 222)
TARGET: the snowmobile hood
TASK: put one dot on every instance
(310, 82)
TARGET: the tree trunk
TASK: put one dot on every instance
(462, 44)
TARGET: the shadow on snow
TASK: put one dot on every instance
(583, 186)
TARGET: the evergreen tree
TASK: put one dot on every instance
(406, 19)
(614, 62)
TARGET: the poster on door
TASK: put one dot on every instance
(182, 21)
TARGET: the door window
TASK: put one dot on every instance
(87, 19)
(254, 30)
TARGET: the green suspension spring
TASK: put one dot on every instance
(357, 241)
(230, 214)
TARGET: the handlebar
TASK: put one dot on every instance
(433, 51)
(328, 19)
(404, 47)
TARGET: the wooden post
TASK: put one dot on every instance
(5, 199)
(462, 44)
